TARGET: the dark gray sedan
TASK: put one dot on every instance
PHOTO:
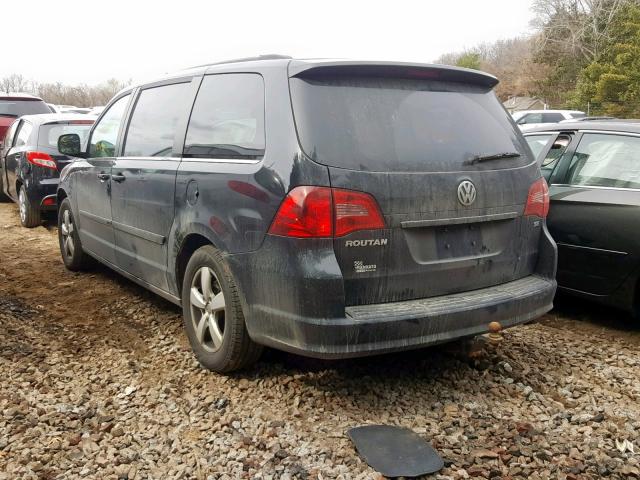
(593, 170)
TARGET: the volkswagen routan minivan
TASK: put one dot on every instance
(327, 208)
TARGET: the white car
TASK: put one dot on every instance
(96, 110)
(527, 119)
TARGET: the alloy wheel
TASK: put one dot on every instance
(22, 204)
(66, 229)
(207, 309)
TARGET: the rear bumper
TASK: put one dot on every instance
(387, 327)
(49, 203)
(293, 299)
(42, 192)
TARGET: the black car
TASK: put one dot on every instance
(332, 209)
(30, 162)
(593, 170)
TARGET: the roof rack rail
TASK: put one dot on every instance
(271, 56)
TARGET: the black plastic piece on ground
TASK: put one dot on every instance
(395, 451)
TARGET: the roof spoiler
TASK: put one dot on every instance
(443, 73)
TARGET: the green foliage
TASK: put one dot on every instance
(469, 60)
(611, 83)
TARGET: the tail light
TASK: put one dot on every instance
(325, 212)
(538, 199)
(355, 211)
(41, 159)
(305, 212)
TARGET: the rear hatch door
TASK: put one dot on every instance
(49, 133)
(426, 143)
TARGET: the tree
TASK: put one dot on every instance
(469, 60)
(511, 61)
(14, 83)
(611, 83)
(571, 35)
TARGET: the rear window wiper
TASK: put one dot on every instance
(494, 156)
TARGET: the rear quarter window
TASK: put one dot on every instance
(227, 120)
(552, 117)
(391, 124)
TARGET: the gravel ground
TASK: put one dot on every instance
(97, 381)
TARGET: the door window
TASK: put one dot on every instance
(153, 122)
(105, 134)
(228, 118)
(606, 160)
(24, 132)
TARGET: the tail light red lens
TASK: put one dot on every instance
(305, 212)
(325, 212)
(41, 159)
(355, 211)
(538, 199)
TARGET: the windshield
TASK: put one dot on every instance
(17, 108)
(49, 134)
(538, 142)
(392, 124)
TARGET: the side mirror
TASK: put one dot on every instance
(69, 144)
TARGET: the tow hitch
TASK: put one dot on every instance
(495, 333)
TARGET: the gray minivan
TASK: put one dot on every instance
(326, 208)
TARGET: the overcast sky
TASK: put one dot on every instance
(88, 41)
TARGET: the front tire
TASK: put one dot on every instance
(29, 214)
(213, 317)
(73, 256)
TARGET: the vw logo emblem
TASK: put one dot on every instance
(466, 193)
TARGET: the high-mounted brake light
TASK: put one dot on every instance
(320, 212)
(81, 122)
(538, 199)
(41, 159)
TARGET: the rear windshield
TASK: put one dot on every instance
(49, 134)
(390, 124)
(17, 108)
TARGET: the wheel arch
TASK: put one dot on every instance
(187, 247)
(61, 194)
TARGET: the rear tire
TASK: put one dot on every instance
(74, 258)
(29, 214)
(213, 317)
